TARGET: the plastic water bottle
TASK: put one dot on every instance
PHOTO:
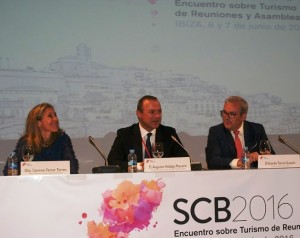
(12, 165)
(245, 157)
(132, 162)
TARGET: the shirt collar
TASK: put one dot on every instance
(145, 132)
(241, 130)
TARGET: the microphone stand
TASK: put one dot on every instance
(195, 166)
(106, 168)
(284, 141)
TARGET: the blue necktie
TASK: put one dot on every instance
(148, 146)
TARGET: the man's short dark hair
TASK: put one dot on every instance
(142, 99)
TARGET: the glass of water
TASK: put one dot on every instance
(264, 147)
(157, 150)
(28, 152)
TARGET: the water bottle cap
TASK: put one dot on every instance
(131, 151)
(12, 154)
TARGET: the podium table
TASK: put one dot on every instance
(233, 203)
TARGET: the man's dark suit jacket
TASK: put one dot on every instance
(220, 149)
(130, 138)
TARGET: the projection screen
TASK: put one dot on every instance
(94, 59)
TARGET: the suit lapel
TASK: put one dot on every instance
(137, 138)
(158, 135)
(229, 140)
(249, 137)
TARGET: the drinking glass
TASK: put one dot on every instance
(28, 152)
(264, 147)
(157, 150)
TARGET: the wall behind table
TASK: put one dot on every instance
(89, 157)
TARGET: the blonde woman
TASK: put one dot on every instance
(50, 142)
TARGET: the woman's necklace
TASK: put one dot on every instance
(44, 145)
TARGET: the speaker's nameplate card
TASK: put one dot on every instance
(45, 167)
(278, 161)
(174, 164)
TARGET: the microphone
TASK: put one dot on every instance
(194, 165)
(174, 139)
(106, 168)
(92, 141)
(284, 141)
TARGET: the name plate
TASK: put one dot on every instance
(278, 161)
(167, 164)
(45, 167)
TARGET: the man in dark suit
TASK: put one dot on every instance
(149, 114)
(221, 152)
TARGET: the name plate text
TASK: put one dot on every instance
(167, 164)
(278, 161)
(45, 167)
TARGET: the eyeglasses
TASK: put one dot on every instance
(230, 115)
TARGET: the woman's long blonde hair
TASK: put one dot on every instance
(32, 133)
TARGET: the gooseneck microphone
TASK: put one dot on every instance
(174, 139)
(93, 143)
(106, 168)
(195, 166)
(284, 141)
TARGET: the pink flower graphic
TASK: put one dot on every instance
(128, 207)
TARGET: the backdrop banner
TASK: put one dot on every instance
(258, 203)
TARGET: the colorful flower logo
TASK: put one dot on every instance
(128, 207)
